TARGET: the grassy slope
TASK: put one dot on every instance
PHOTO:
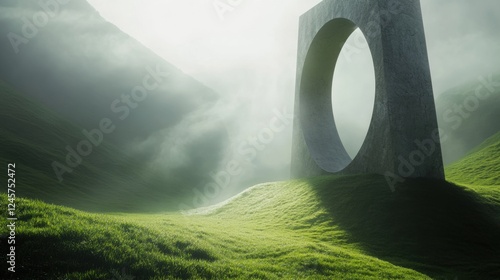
(481, 166)
(33, 137)
(480, 170)
(340, 227)
(349, 227)
(171, 245)
(336, 227)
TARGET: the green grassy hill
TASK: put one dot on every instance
(480, 170)
(336, 227)
(34, 137)
(480, 167)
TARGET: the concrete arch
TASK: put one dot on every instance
(404, 114)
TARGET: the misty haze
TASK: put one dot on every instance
(155, 138)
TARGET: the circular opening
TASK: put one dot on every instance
(315, 98)
(353, 92)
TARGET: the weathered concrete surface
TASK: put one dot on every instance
(402, 139)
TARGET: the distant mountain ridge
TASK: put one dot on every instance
(79, 68)
(467, 115)
(34, 138)
(71, 60)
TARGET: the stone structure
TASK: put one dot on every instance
(403, 137)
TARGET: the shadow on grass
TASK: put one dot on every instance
(432, 226)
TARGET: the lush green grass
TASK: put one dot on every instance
(480, 167)
(64, 242)
(348, 227)
(480, 170)
(335, 227)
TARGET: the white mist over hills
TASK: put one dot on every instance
(247, 53)
(236, 119)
